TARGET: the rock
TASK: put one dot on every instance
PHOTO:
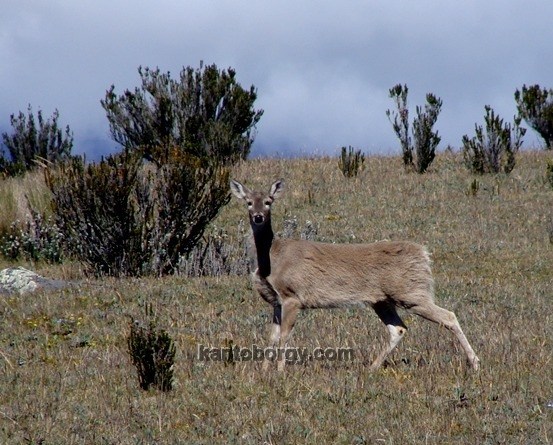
(23, 281)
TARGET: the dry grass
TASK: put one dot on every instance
(18, 192)
(67, 377)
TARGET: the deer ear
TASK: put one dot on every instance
(238, 189)
(276, 189)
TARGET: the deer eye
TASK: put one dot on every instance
(250, 203)
(268, 203)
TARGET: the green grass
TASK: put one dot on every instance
(66, 376)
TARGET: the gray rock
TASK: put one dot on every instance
(23, 281)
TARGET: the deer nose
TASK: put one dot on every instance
(258, 218)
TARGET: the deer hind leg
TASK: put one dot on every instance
(396, 328)
(448, 319)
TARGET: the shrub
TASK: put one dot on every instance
(425, 139)
(38, 239)
(143, 211)
(419, 155)
(125, 216)
(400, 123)
(152, 352)
(351, 162)
(215, 255)
(205, 113)
(535, 106)
(494, 150)
(30, 142)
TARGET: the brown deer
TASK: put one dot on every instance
(294, 274)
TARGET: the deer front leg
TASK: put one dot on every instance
(274, 340)
(290, 311)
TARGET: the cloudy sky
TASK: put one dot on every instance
(322, 68)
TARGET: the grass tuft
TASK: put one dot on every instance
(153, 354)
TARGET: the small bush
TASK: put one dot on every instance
(421, 154)
(32, 143)
(153, 354)
(495, 149)
(351, 162)
(425, 139)
(38, 239)
(535, 106)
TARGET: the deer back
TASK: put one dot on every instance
(335, 275)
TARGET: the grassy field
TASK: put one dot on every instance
(66, 376)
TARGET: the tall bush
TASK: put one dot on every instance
(125, 216)
(142, 211)
(535, 106)
(205, 112)
(420, 154)
(33, 140)
(493, 150)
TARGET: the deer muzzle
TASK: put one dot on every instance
(258, 218)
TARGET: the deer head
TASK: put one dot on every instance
(259, 204)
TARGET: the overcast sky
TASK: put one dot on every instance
(322, 68)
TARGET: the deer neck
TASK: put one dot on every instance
(263, 237)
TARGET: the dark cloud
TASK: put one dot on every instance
(322, 69)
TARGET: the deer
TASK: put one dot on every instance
(293, 275)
